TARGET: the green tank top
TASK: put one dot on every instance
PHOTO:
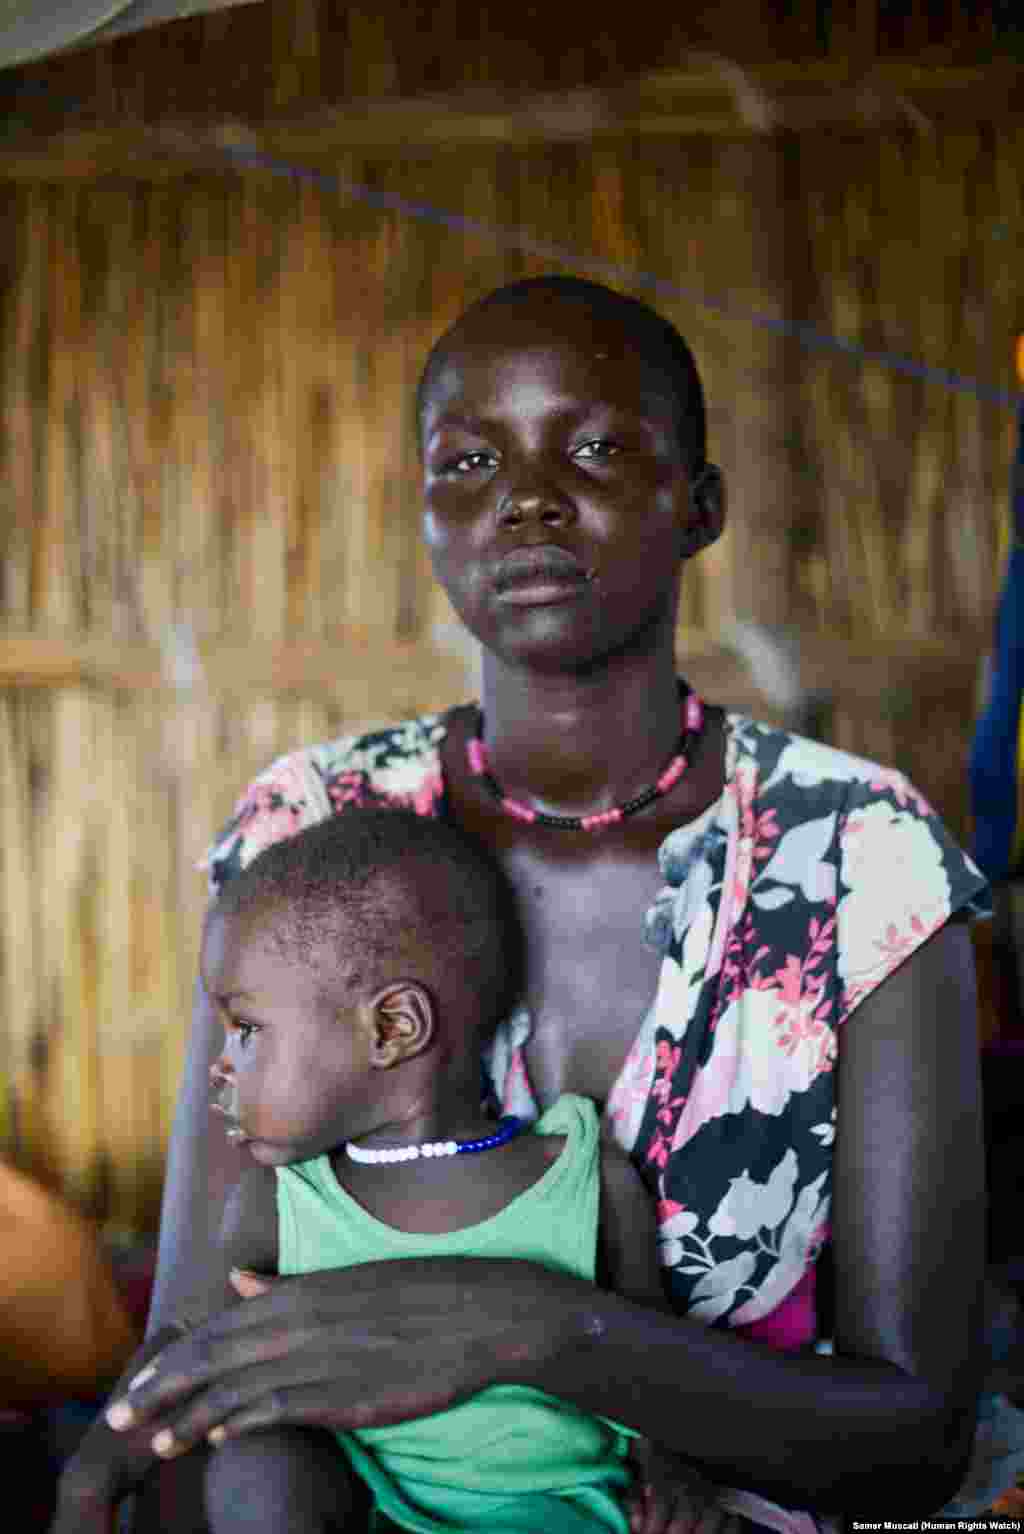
(510, 1460)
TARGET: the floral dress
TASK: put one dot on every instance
(812, 877)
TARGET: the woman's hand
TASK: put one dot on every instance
(671, 1497)
(369, 1345)
(106, 1467)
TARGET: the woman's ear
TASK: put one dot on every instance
(707, 509)
(404, 1021)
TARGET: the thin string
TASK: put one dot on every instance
(517, 239)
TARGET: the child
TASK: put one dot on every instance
(358, 968)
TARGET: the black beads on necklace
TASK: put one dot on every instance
(479, 766)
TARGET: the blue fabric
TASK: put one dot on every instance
(995, 765)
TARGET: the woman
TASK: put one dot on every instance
(565, 482)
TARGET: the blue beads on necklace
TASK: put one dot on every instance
(508, 1127)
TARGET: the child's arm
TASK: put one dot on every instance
(627, 1233)
(248, 1232)
(669, 1496)
(285, 1478)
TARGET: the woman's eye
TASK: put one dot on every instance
(243, 1031)
(598, 449)
(466, 463)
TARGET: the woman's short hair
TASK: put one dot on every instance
(658, 343)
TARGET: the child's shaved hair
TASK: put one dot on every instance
(658, 343)
(370, 896)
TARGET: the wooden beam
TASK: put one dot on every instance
(351, 666)
(369, 670)
(715, 96)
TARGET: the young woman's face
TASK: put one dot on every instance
(556, 495)
(291, 1080)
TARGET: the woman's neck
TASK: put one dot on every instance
(571, 744)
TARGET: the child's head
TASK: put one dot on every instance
(375, 940)
(665, 358)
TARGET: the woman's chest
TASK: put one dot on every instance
(590, 976)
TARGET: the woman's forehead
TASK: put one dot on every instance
(507, 366)
(540, 325)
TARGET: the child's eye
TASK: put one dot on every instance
(243, 1031)
(598, 449)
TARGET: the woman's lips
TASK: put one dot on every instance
(542, 592)
(536, 576)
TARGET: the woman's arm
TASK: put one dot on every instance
(202, 1167)
(885, 1425)
(191, 1283)
(192, 1266)
(106, 1466)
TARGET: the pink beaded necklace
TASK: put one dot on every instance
(693, 723)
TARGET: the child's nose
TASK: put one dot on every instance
(220, 1073)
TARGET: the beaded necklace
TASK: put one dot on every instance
(693, 723)
(508, 1128)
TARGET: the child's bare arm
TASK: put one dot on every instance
(627, 1240)
(248, 1232)
(279, 1478)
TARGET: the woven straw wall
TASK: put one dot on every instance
(209, 498)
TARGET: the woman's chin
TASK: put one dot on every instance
(545, 641)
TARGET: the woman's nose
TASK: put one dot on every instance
(539, 505)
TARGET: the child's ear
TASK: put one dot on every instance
(404, 1023)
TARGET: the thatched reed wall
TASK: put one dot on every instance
(210, 515)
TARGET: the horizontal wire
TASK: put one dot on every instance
(518, 239)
